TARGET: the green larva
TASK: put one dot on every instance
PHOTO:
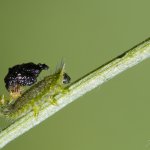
(35, 97)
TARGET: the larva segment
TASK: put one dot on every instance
(36, 96)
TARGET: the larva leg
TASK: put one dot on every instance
(65, 91)
(53, 101)
(36, 109)
(60, 89)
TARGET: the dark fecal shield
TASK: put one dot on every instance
(23, 75)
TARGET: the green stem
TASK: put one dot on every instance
(93, 79)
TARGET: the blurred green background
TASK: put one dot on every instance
(85, 34)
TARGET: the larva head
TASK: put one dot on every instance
(22, 75)
(66, 78)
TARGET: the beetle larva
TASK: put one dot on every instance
(35, 97)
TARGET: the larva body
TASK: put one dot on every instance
(35, 97)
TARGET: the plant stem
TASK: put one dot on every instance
(90, 81)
